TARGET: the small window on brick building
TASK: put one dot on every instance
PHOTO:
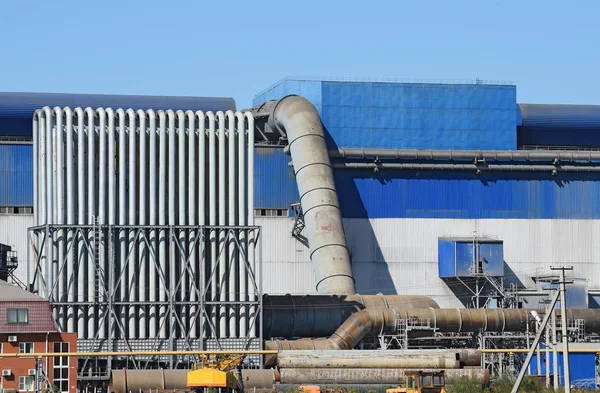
(26, 384)
(17, 316)
(26, 347)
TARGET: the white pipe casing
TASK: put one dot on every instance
(252, 235)
(191, 204)
(232, 220)
(59, 212)
(202, 265)
(133, 263)
(172, 196)
(106, 330)
(81, 210)
(91, 214)
(122, 209)
(212, 219)
(162, 220)
(152, 202)
(49, 278)
(241, 128)
(70, 189)
(181, 252)
(222, 204)
(143, 258)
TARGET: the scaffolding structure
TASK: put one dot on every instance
(197, 312)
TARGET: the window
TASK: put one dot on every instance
(426, 380)
(271, 213)
(438, 380)
(61, 368)
(17, 316)
(26, 347)
(410, 383)
(26, 384)
(16, 209)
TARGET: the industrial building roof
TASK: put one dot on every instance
(17, 109)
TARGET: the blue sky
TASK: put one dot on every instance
(550, 49)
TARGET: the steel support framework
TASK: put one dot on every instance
(190, 300)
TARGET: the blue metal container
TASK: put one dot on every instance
(559, 125)
(17, 109)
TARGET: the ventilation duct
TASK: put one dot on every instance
(297, 119)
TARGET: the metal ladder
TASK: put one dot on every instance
(97, 235)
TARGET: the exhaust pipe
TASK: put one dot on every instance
(298, 119)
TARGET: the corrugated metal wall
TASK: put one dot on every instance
(16, 109)
(274, 181)
(400, 255)
(16, 175)
(465, 195)
(409, 115)
(559, 125)
(13, 232)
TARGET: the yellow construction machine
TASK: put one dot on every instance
(421, 382)
(214, 373)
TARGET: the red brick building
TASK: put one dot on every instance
(27, 326)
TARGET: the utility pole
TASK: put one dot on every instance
(554, 352)
(563, 324)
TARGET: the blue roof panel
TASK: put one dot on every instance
(17, 109)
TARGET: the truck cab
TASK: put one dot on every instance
(421, 382)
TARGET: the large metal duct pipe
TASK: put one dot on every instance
(297, 118)
(454, 320)
(378, 359)
(292, 316)
(363, 376)
(126, 381)
(425, 358)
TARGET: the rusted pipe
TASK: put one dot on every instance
(451, 320)
(361, 375)
(293, 316)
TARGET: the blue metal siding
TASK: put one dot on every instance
(311, 90)
(408, 115)
(581, 365)
(446, 258)
(461, 195)
(16, 175)
(17, 109)
(274, 181)
(419, 116)
(559, 125)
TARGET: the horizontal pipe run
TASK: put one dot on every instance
(136, 353)
(466, 167)
(464, 155)
(362, 375)
(377, 362)
(292, 316)
(378, 359)
(127, 381)
(452, 320)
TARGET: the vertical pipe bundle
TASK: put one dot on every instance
(146, 196)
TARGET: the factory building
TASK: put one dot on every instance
(449, 192)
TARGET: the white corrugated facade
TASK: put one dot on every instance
(394, 255)
(13, 232)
